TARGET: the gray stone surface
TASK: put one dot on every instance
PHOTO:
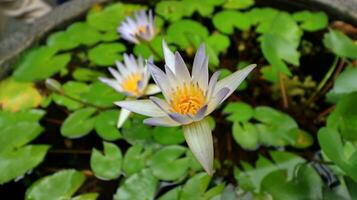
(14, 42)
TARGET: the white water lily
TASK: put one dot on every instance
(131, 79)
(138, 29)
(189, 98)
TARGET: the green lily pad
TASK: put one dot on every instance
(135, 159)
(246, 135)
(105, 125)
(107, 166)
(238, 4)
(262, 17)
(101, 94)
(168, 136)
(85, 74)
(167, 165)
(14, 164)
(238, 111)
(345, 83)
(73, 89)
(340, 44)
(79, 123)
(61, 185)
(195, 187)
(143, 49)
(181, 32)
(218, 42)
(135, 132)
(62, 40)
(83, 33)
(226, 21)
(311, 21)
(137, 186)
(41, 63)
(88, 196)
(106, 54)
(173, 10)
(13, 100)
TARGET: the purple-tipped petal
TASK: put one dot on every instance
(161, 121)
(181, 70)
(182, 119)
(201, 113)
(233, 80)
(212, 84)
(143, 107)
(160, 78)
(163, 105)
(217, 99)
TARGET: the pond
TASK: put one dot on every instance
(177, 100)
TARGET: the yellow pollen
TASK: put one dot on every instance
(130, 84)
(141, 30)
(187, 99)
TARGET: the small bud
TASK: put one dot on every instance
(53, 85)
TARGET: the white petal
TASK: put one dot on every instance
(212, 84)
(163, 105)
(199, 139)
(161, 121)
(181, 70)
(234, 80)
(160, 79)
(111, 83)
(123, 116)
(152, 89)
(169, 56)
(116, 74)
(217, 99)
(200, 68)
(201, 113)
(182, 119)
(143, 107)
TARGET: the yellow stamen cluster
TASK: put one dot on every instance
(141, 30)
(130, 84)
(187, 99)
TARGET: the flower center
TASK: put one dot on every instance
(141, 30)
(131, 82)
(187, 99)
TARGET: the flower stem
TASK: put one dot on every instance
(156, 54)
(323, 81)
(283, 90)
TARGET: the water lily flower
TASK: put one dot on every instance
(189, 98)
(139, 29)
(132, 79)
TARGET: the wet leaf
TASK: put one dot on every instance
(105, 125)
(340, 44)
(238, 4)
(167, 165)
(137, 186)
(61, 185)
(311, 21)
(78, 123)
(106, 166)
(13, 100)
(345, 84)
(106, 54)
(168, 135)
(83, 33)
(226, 21)
(181, 32)
(14, 164)
(41, 63)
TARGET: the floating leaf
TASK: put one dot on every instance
(311, 21)
(107, 166)
(106, 54)
(246, 135)
(73, 89)
(263, 18)
(167, 165)
(79, 123)
(135, 159)
(40, 64)
(61, 185)
(195, 187)
(182, 31)
(84, 74)
(345, 83)
(88, 196)
(218, 42)
(340, 44)
(146, 52)
(13, 100)
(135, 132)
(173, 10)
(83, 33)
(105, 125)
(101, 95)
(137, 186)
(14, 164)
(62, 40)
(238, 4)
(168, 136)
(226, 21)
(238, 111)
